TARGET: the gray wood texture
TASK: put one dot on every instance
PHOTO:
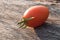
(11, 12)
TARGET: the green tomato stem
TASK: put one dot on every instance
(24, 21)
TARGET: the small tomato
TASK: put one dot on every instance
(37, 15)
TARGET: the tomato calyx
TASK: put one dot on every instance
(24, 21)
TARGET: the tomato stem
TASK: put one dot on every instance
(24, 21)
(21, 25)
(25, 26)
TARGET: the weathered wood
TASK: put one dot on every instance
(10, 14)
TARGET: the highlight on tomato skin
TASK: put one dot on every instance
(40, 14)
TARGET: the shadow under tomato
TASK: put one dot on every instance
(48, 31)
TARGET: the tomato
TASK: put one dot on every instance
(39, 13)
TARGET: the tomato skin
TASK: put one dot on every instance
(40, 14)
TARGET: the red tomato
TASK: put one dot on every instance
(40, 14)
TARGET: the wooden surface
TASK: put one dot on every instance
(11, 12)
